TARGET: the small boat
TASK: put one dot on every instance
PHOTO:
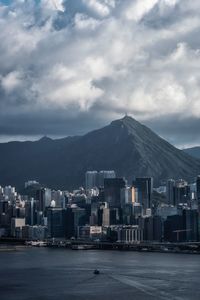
(96, 272)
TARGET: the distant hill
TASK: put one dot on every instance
(195, 152)
(126, 146)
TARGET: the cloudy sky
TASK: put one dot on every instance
(67, 67)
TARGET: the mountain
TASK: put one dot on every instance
(126, 146)
(195, 152)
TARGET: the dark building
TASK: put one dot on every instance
(190, 224)
(174, 229)
(148, 229)
(19, 212)
(100, 216)
(152, 227)
(182, 228)
(198, 190)
(157, 228)
(95, 205)
(128, 214)
(112, 191)
(198, 187)
(43, 196)
(181, 194)
(105, 174)
(144, 188)
(31, 212)
(73, 217)
(40, 196)
(6, 214)
(115, 216)
(56, 222)
(69, 223)
(170, 191)
(79, 218)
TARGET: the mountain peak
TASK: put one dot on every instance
(126, 146)
(127, 120)
(45, 139)
(128, 123)
(127, 117)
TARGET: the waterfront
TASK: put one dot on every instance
(43, 273)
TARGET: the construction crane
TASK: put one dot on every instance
(179, 231)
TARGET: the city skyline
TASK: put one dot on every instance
(107, 208)
(99, 149)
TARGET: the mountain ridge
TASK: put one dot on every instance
(125, 145)
(193, 151)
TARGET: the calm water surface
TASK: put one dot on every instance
(42, 273)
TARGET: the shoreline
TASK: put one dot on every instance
(14, 245)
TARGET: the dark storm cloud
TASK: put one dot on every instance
(67, 67)
(182, 132)
(47, 122)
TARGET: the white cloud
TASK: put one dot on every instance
(53, 4)
(12, 81)
(101, 7)
(83, 22)
(106, 57)
(139, 8)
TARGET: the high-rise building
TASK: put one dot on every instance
(44, 198)
(105, 174)
(181, 192)
(96, 179)
(198, 188)
(137, 210)
(16, 227)
(91, 180)
(170, 191)
(127, 196)
(182, 227)
(30, 212)
(79, 216)
(106, 217)
(112, 191)
(144, 188)
(190, 223)
(174, 229)
(56, 222)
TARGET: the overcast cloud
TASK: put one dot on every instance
(67, 67)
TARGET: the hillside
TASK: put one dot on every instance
(126, 146)
(195, 152)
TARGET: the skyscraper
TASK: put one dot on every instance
(44, 198)
(198, 188)
(112, 191)
(91, 179)
(144, 188)
(190, 222)
(56, 222)
(30, 212)
(105, 174)
(181, 192)
(170, 191)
